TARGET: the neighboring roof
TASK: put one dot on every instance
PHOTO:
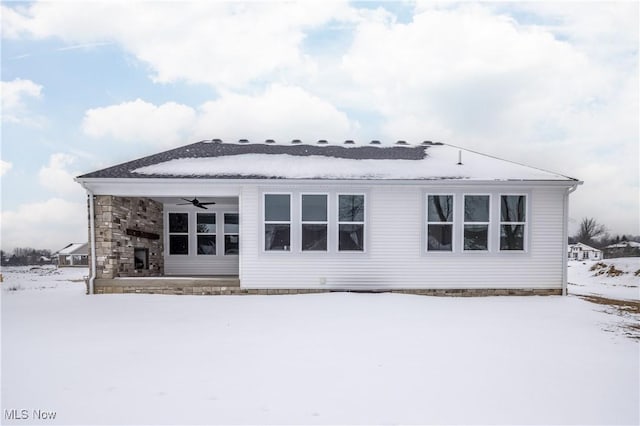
(624, 244)
(427, 161)
(75, 248)
(584, 247)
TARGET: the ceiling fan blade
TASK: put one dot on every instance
(190, 201)
(206, 204)
(201, 206)
(184, 204)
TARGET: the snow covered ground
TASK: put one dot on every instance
(309, 359)
(595, 277)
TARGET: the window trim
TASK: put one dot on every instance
(265, 222)
(169, 233)
(527, 216)
(338, 222)
(488, 224)
(426, 223)
(214, 233)
(302, 222)
(224, 234)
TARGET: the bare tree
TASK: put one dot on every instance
(589, 230)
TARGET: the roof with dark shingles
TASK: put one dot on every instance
(206, 149)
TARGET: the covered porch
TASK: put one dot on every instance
(164, 244)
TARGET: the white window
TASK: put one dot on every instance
(314, 222)
(476, 222)
(440, 223)
(231, 234)
(351, 221)
(178, 233)
(277, 222)
(513, 222)
(206, 233)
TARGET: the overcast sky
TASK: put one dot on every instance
(89, 84)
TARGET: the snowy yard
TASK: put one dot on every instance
(319, 358)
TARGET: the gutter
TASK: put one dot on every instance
(565, 236)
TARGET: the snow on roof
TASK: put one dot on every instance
(241, 160)
(74, 248)
(583, 246)
(624, 244)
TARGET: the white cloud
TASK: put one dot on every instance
(463, 71)
(220, 43)
(5, 166)
(605, 30)
(57, 178)
(50, 224)
(14, 95)
(281, 112)
(141, 122)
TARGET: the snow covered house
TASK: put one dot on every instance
(622, 249)
(580, 251)
(270, 218)
(74, 254)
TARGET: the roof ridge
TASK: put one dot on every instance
(322, 142)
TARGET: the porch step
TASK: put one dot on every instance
(178, 281)
(168, 285)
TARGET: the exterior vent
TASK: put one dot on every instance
(402, 143)
(243, 141)
(349, 142)
(269, 141)
(374, 143)
(216, 140)
(296, 141)
(322, 142)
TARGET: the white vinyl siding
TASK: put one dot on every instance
(395, 235)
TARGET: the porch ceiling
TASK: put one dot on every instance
(223, 201)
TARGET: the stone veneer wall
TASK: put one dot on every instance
(114, 248)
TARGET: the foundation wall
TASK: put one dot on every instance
(231, 287)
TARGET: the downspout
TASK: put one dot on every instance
(565, 236)
(92, 236)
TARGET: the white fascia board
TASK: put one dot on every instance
(160, 187)
(232, 187)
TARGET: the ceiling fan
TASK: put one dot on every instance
(196, 203)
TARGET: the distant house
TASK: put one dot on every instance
(75, 254)
(273, 218)
(622, 249)
(581, 251)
